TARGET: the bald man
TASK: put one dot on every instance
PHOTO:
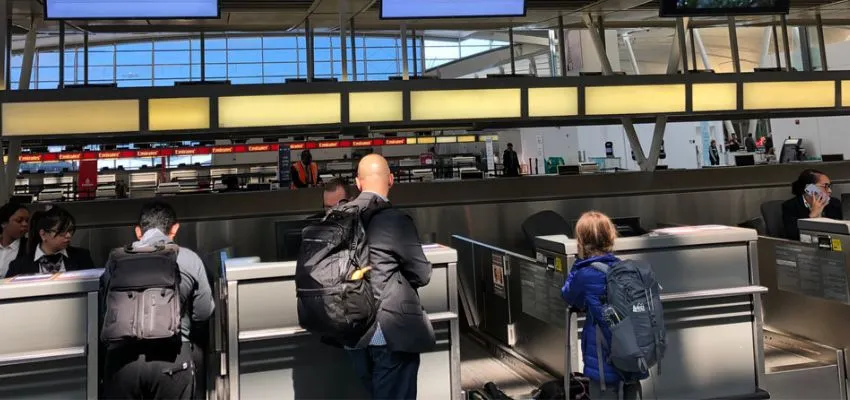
(387, 357)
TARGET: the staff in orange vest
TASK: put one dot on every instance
(305, 173)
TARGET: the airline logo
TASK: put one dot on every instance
(219, 150)
(297, 146)
(70, 156)
(328, 145)
(109, 154)
(361, 143)
(259, 147)
(184, 152)
(395, 141)
(30, 157)
(147, 153)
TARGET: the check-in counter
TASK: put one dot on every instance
(49, 336)
(712, 310)
(271, 356)
(805, 312)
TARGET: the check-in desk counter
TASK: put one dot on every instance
(48, 337)
(271, 356)
(806, 310)
(712, 310)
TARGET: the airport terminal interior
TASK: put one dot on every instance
(503, 121)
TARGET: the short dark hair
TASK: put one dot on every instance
(807, 177)
(332, 185)
(157, 215)
(9, 209)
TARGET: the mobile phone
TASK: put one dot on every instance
(814, 191)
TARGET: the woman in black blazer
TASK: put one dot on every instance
(14, 224)
(804, 205)
(49, 247)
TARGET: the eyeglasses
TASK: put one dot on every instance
(55, 232)
(826, 185)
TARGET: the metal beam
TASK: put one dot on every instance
(484, 60)
(405, 67)
(310, 36)
(683, 46)
(733, 43)
(61, 54)
(563, 38)
(29, 57)
(343, 21)
(203, 42)
(353, 37)
(765, 51)
(85, 58)
(785, 42)
(776, 46)
(511, 49)
(821, 42)
(627, 40)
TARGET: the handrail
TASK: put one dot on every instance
(42, 356)
(713, 293)
(494, 248)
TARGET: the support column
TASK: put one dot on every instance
(405, 73)
(10, 170)
(29, 56)
(353, 38)
(785, 42)
(61, 54)
(203, 42)
(683, 45)
(511, 47)
(562, 45)
(343, 21)
(5, 79)
(821, 42)
(85, 58)
(311, 53)
(415, 58)
(776, 47)
(627, 40)
(733, 42)
(554, 38)
(707, 63)
(802, 37)
(766, 37)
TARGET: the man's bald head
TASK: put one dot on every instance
(373, 175)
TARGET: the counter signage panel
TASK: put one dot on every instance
(395, 141)
(809, 271)
(541, 293)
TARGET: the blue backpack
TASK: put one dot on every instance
(635, 316)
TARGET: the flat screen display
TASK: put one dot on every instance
(687, 8)
(131, 9)
(421, 9)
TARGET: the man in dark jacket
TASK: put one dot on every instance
(155, 370)
(510, 161)
(387, 357)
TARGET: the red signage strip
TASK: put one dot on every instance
(192, 151)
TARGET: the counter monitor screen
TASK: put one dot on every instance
(688, 8)
(130, 9)
(421, 9)
(288, 238)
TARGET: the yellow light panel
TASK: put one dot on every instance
(279, 110)
(634, 99)
(464, 104)
(411, 140)
(375, 107)
(484, 138)
(426, 140)
(446, 139)
(466, 138)
(785, 95)
(70, 117)
(179, 113)
(845, 93)
(714, 96)
(552, 102)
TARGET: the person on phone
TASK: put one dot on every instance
(812, 199)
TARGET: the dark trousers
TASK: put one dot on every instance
(154, 372)
(386, 374)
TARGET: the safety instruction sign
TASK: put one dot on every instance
(499, 275)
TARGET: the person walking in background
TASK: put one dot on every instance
(510, 161)
(713, 153)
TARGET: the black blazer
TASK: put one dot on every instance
(795, 209)
(399, 268)
(78, 259)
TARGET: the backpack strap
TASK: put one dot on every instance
(599, 360)
(601, 267)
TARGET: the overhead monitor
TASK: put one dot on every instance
(422, 9)
(130, 9)
(690, 8)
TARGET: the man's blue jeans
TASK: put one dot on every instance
(386, 374)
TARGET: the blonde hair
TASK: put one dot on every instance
(595, 234)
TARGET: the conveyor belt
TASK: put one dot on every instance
(479, 365)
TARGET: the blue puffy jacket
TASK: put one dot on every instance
(584, 289)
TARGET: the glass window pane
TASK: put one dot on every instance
(48, 74)
(321, 42)
(48, 59)
(245, 70)
(215, 57)
(47, 85)
(244, 43)
(17, 60)
(322, 68)
(215, 44)
(163, 82)
(380, 53)
(383, 67)
(243, 56)
(171, 44)
(196, 71)
(69, 75)
(171, 57)
(135, 83)
(135, 72)
(101, 74)
(196, 57)
(274, 79)
(280, 69)
(323, 54)
(279, 55)
(378, 77)
(70, 57)
(380, 42)
(180, 72)
(279, 42)
(134, 58)
(146, 45)
(100, 58)
(246, 81)
(216, 71)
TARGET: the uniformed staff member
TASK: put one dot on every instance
(144, 370)
(305, 173)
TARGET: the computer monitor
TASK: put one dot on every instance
(288, 237)
(626, 227)
(790, 150)
(832, 157)
(745, 160)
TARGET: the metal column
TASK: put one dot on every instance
(85, 58)
(554, 38)
(707, 63)
(733, 43)
(415, 57)
(6, 31)
(203, 43)
(785, 42)
(627, 40)
(29, 57)
(776, 46)
(311, 53)
(353, 40)
(802, 37)
(405, 68)
(683, 45)
(61, 54)
(563, 38)
(767, 36)
(821, 42)
(343, 20)
(511, 47)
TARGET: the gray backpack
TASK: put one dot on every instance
(142, 297)
(635, 316)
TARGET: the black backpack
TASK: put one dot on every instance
(335, 297)
(142, 297)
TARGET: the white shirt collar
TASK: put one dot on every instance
(15, 245)
(39, 253)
